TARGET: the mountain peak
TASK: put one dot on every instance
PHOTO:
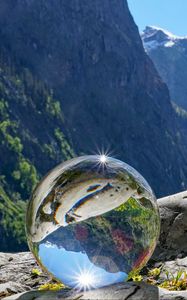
(154, 37)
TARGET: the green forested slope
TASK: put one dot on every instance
(32, 140)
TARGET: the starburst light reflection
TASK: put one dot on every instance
(103, 158)
(85, 280)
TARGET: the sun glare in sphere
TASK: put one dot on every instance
(85, 280)
(103, 158)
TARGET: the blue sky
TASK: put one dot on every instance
(68, 266)
(168, 14)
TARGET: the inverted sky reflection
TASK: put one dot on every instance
(68, 266)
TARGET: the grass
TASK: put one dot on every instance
(175, 283)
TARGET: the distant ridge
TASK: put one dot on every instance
(169, 54)
(154, 37)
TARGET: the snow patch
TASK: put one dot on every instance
(169, 44)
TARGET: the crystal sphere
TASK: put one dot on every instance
(92, 221)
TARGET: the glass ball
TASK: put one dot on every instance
(92, 221)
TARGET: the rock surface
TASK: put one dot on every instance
(16, 274)
(124, 291)
(173, 236)
(119, 291)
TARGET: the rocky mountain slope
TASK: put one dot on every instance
(169, 54)
(91, 55)
(74, 75)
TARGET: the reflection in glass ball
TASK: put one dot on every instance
(92, 221)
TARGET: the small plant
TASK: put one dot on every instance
(137, 277)
(51, 287)
(172, 282)
(155, 273)
(36, 272)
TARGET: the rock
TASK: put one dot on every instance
(172, 266)
(117, 292)
(131, 291)
(135, 291)
(19, 263)
(10, 288)
(166, 295)
(3, 259)
(173, 235)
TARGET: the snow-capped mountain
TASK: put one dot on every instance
(169, 54)
(154, 37)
